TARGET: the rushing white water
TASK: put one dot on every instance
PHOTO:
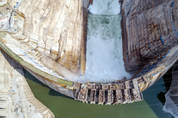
(105, 7)
(104, 56)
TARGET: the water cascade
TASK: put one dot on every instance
(105, 7)
(104, 56)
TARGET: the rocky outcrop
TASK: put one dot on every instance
(16, 97)
(171, 104)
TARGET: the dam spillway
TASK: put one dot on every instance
(104, 56)
(105, 7)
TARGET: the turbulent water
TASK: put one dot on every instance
(105, 7)
(104, 56)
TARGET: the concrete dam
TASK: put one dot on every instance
(95, 51)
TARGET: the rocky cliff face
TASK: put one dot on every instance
(56, 28)
(149, 29)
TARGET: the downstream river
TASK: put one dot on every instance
(65, 107)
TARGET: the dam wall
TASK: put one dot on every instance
(148, 30)
(32, 39)
(56, 28)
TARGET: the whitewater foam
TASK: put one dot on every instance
(104, 55)
(105, 7)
